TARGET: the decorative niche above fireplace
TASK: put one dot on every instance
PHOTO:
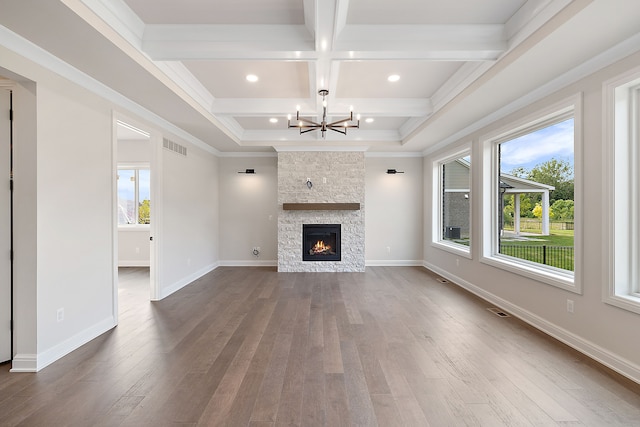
(321, 242)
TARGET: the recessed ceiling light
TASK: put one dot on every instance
(273, 120)
(393, 78)
(252, 78)
(369, 120)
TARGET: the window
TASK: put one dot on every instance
(134, 196)
(529, 218)
(622, 126)
(452, 203)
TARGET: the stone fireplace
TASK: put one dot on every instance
(318, 189)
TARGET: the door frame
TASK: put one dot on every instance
(9, 86)
(155, 141)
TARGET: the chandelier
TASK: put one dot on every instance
(307, 125)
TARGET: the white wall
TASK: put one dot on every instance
(65, 215)
(248, 210)
(393, 223)
(394, 202)
(188, 231)
(74, 217)
(605, 332)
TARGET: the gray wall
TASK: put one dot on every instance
(603, 331)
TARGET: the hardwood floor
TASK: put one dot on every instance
(252, 347)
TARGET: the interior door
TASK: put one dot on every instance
(5, 226)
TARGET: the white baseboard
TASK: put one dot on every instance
(27, 363)
(134, 263)
(176, 286)
(252, 263)
(393, 263)
(24, 363)
(620, 365)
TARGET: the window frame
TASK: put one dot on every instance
(137, 167)
(621, 248)
(552, 114)
(437, 203)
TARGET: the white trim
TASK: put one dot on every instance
(454, 248)
(246, 263)
(24, 363)
(187, 280)
(621, 169)
(286, 148)
(600, 354)
(616, 53)
(436, 240)
(134, 263)
(561, 110)
(247, 154)
(392, 154)
(60, 350)
(393, 263)
(36, 54)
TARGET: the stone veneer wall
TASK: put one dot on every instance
(345, 177)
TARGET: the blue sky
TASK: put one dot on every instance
(529, 150)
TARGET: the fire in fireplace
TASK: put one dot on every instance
(321, 242)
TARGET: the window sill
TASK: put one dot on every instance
(455, 248)
(626, 302)
(135, 227)
(549, 276)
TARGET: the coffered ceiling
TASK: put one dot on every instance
(187, 61)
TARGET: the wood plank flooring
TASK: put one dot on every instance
(253, 347)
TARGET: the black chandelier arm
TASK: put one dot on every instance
(311, 125)
(307, 125)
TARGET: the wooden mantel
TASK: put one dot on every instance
(321, 206)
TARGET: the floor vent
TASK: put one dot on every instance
(442, 280)
(498, 312)
(174, 146)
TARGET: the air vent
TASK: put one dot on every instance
(498, 312)
(442, 280)
(174, 146)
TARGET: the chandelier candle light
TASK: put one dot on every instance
(308, 125)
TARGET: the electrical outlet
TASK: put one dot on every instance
(137, 250)
(388, 249)
(569, 306)
(60, 315)
(324, 180)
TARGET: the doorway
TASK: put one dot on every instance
(134, 204)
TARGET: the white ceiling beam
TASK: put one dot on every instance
(178, 42)
(446, 42)
(373, 107)
(275, 137)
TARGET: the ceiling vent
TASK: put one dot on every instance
(174, 146)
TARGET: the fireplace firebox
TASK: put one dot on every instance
(321, 242)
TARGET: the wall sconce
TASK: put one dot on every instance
(251, 171)
(393, 171)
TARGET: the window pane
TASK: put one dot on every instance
(455, 201)
(126, 197)
(144, 196)
(536, 196)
